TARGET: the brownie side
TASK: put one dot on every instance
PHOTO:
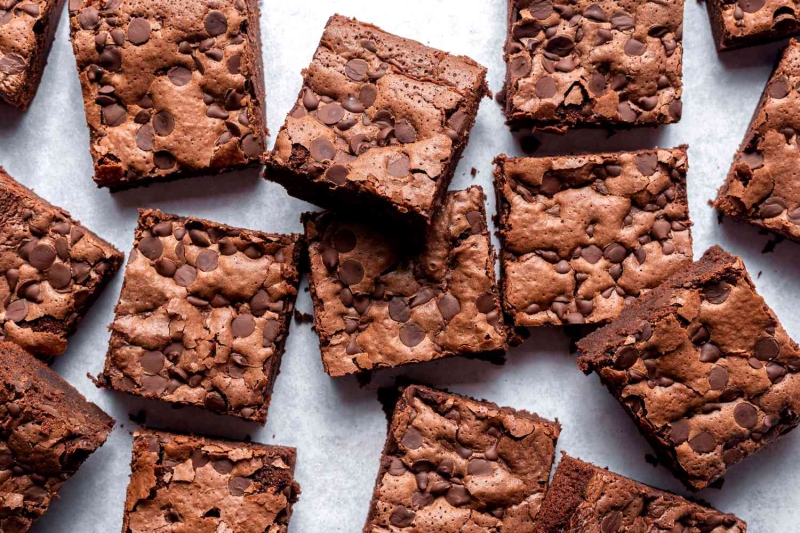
(25, 41)
(704, 368)
(35, 401)
(439, 446)
(208, 484)
(583, 236)
(751, 23)
(557, 56)
(379, 124)
(381, 299)
(170, 92)
(585, 498)
(53, 269)
(761, 187)
(204, 314)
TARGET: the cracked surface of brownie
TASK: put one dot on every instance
(185, 483)
(172, 88)
(52, 270)
(584, 235)
(738, 23)
(586, 499)
(454, 464)
(593, 63)
(703, 367)
(203, 315)
(379, 124)
(47, 431)
(381, 300)
(763, 185)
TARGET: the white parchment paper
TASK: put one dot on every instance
(338, 425)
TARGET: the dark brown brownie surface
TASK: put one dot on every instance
(203, 315)
(52, 269)
(452, 463)
(589, 63)
(48, 431)
(586, 499)
(704, 368)
(379, 124)
(763, 185)
(196, 484)
(747, 22)
(381, 300)
(584, 235)
(172, 88)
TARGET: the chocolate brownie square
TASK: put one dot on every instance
(383, 300)
(203, 315)
(27, 28)
(379, 124)
(747, 22)
(171, 89)
(186, 483)
(588, 63)
(703, 367)
(48, 431)
(52, 269)
(763, 186)
(452, 463)
(585, 498)
(584, 235)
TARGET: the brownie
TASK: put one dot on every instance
(186, 483)
(52, 268)
(584, 235)
(379, 124)
(748, 22)
(703, 367)
(27, 28)
(763, 187)
(589, 63)
(48, 431)
(171, 89)
(203, 315)
(382, 300)
(584, 498)
(452, 463)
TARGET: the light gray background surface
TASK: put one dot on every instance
(338, 425)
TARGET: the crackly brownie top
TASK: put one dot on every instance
(764, 183)
(587, 499)
(47, 430)
(584, 235)
(19, 40)
(704, 365)
(745, 20)
(203, 314)
(590, 62)
(169, 86)
(183, 483)
(379, 301)
(51, 269)
(455, 464)
(381, 114)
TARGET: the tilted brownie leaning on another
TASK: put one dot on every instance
(203, 315)
(379, 124)
(52, 269)
(452, 463)
(704, 368)
(593, 63)
(196, 484)
(747, 22)
(26, 33)
(172, 89)
(584, 235)
(763, 186)
(586, 499)
(383, 299)
(48, 431)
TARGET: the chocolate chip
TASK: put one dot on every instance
(405, 132)
(560, 45)
(164, 160)
(615, 253)
(545, 87)
(114, 115)
(356, 69)
(751, 6)
(411, 335)
(745, 415)
(703, 443)
(163, 123)
(17, 311)
(772, 207)
(138, 31)
(89, 18)
(479, 467)
(243, 325)
(635, 47)
(337, 174)
(626, 357)
(42, 256)
(611, 522)
(322, 150)
(412, 439)
(152, 361)
(595, 13)
(145, 138)
(59, 276)
(207, 260)
(449, 306)
(351, 272)
(179, 76)
(718, 378)
(457, 496)
(238, 484)
(331, 113)
(400, 167)
(679, 432)
(779, 88)
(35, 494)
(110, 59)
(271, 330)
(216, 23)
(676, 109)
(520, 67)
(368, 94)
(185, 275)
(399, 310)
(717, 293)
(401, 517)
(647, 163)
(345, 240)
(709, 353)
(766, 348)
